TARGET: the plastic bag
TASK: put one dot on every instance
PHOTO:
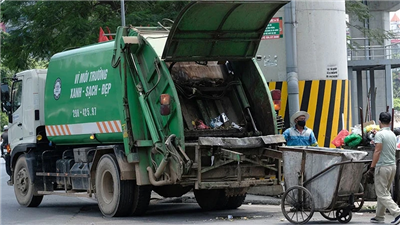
(356, 129)
(398, 141)
(353, 140)
(372, 127)
(339, 139)
(200, 125)
(219, 121)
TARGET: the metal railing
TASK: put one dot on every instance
(357, 51)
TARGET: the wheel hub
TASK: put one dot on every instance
(108, 187)
(22, 180)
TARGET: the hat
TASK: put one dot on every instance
(297, 114)
(5, 127)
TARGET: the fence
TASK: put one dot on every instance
(356, 51)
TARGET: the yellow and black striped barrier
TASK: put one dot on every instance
(327, 102)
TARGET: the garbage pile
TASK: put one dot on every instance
(215, 123)
(356, 138)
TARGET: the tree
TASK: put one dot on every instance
(361, 12)
(39, 29)
(4, 73)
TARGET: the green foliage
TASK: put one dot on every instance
(360, 11)
(39, 29)
(4, 120)
(396, 104)
(357, 8)
(396, 88)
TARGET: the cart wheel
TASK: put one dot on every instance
(329, 215)
(359, 199)
(297, 205)
(344, 215)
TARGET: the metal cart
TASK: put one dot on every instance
(322, 180)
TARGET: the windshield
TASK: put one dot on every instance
(16, 95)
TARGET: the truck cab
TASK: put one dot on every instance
(26, 114)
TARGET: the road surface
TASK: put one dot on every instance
(56, 210)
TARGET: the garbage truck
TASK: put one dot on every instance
(166, 109)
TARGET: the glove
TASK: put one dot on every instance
(369, 175)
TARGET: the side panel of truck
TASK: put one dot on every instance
(83, 97)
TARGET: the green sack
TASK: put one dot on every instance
(353, 140)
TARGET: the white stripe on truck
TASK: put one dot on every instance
(113, 126)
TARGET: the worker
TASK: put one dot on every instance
(383, 170)
(299, 134)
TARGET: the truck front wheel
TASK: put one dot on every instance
(24, 189)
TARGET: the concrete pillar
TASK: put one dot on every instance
(379, 19)
(321, 39)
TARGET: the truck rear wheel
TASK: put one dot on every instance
(24, 189)
(235, 202)
(211, 199)
(141, 199)
(114, 196)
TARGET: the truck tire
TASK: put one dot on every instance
(235, 202)
(114, 196)
(210, 199)
(141, 199)
(24, 189)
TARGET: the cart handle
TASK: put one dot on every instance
(334, 165)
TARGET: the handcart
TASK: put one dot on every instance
(322, 180)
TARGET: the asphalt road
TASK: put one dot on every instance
(56, 210)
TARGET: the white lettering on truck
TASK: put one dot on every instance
(84, 77)
(105, 88)
(91, 90)
(98, 75)
(76, 92)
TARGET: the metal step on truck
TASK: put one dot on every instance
(163, 109)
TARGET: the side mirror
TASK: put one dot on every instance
(5, 93)
(6, 107)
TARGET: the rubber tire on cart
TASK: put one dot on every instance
(344, 215)
(118, 197)
(329, 215)
(291, 198)
(24, 189)
(359, 200)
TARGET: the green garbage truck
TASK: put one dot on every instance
(168, 109)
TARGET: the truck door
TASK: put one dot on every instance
(15, 130)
